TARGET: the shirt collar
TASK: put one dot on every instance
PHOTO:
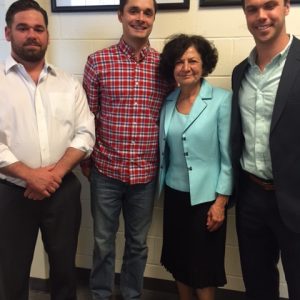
(11, 64)
(129, 51)
(279, 57)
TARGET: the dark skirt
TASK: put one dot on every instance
(192, 254)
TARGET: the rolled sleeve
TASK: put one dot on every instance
(84, 136)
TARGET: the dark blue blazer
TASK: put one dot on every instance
(284, 136)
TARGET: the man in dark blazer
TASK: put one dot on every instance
(265, 138)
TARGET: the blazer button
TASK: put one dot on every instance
(186, 153)
(190, 168)
(183, 138)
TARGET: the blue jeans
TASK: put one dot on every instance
(108, 198)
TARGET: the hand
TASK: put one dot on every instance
(216, 213)
(86, 171)
(33, 195)
(41, 183)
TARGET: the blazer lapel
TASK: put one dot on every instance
(236, 134)
(199, 104)
(289, 74)
(169, 109)
(237, 77)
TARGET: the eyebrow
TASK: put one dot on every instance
(27, 25)
(138, 8)
(262, 5)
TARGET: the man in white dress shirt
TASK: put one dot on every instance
(46, 128)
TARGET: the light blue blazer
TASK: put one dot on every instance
(205, 142)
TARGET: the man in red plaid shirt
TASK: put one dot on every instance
(125, 93)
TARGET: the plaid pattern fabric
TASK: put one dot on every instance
(125, 95)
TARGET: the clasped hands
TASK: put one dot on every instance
(42, 182)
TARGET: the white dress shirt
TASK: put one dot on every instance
(38, 122)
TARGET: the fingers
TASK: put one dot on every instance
(86, 171)
(215, 218)
(56, 180)
(214, 226)
(42, 182)
(53, 187)
(34, 195)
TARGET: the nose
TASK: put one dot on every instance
(141, 16)
(186, 66)
(261, 13)
(31, 33)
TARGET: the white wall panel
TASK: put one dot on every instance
(73, 36)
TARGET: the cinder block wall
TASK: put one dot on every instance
(75, 35)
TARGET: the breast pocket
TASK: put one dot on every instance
(62, 106)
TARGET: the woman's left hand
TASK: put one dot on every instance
(216, 213)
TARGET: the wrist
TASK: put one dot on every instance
(222, 200)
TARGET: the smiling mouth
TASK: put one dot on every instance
(139, 27)
(185, 76)
(263, 27)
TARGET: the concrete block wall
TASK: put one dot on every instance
(75, 35)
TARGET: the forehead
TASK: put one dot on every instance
(261, 2)
(143, 4)
(191, 51)
(31, 17)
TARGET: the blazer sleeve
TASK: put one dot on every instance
(225, 181)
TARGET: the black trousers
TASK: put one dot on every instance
(58, 218)
(263, 238)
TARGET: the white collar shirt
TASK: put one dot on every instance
(38, 122)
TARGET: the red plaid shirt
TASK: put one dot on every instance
(125, 95)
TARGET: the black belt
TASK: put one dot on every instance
(8, 183)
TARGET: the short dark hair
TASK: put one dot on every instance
(22, 5)
(176, 46)
(124, 2)
(243, 3)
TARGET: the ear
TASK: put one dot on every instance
(120, 16)
(287, 7)
(7, 31)
(48, 37)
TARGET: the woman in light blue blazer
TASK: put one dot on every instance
(195, 168)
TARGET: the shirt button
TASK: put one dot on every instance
(186, 153)
(184, 138)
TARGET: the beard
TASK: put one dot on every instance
(29, 54)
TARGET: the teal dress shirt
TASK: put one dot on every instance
(257, 96)
(177, 176)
